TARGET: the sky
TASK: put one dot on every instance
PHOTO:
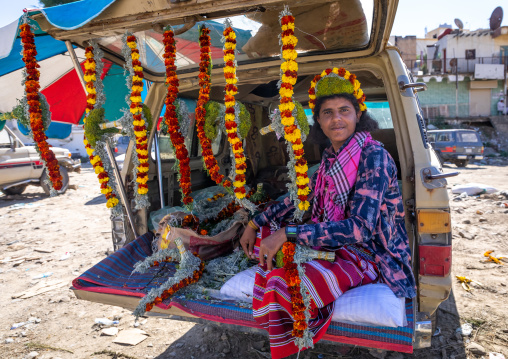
(412, 17)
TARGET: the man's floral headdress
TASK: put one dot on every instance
(335, 81)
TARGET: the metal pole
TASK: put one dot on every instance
(457, 89)
(159, 167)
(77, 66)
(123, 195)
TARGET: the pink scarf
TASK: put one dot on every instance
(334, 185)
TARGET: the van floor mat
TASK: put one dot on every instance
(113, 275)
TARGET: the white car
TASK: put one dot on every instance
(21, 165)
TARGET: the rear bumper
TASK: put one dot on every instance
(454, 156)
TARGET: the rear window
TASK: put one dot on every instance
(467, 137)
(444, 137)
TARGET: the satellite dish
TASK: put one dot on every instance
(496, 18)
(459, 24)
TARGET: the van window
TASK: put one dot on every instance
(468, 137)
(380, 111)
(5, 139)
(444, 137)
(431, 137)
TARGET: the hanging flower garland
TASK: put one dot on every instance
(138, 127)
(230, 117)
(32, 86)
(95, 159)
(293, 281)
(299, 189)
(171, 118)
(204, 95)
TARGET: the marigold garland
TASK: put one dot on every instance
(136, 108)
(293, 282)
(171, 119)
(229, 100)
(204, 96)
(95, 160)
(175, 288)
(342, 72)
(32, 87)
(292, 133)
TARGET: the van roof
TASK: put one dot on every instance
(326, 30)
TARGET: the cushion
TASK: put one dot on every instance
(240, 287)
(371, 304)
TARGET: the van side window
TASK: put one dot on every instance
(5, 139)
(468, 137)
(443, 137)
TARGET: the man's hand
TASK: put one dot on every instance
(270, 246)
(247, 241)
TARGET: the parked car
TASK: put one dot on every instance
(21, 165)
(332, 34)
(456, 146)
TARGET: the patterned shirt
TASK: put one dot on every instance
(374, 220)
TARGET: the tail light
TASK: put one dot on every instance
(116, 149)
(482, 149)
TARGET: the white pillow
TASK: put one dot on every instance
(240, 287)
(371, 304)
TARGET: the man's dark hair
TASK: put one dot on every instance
(366, 122)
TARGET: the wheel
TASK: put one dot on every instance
(65, 181)
(461, 163)
(15, 189)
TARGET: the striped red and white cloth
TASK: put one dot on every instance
(326, 281)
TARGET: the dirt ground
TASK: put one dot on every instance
(68, 234)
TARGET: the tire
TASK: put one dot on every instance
(65, 181)
(15, 189)
(461, 163)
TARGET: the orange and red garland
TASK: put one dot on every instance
(32, 87)
(171, 118)
(204, 96)
(229, 101)
(293, 281)
(175, 288)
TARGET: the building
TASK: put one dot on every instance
(465, 71)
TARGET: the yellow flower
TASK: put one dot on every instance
(302, 180)
(359, 94)
(303, 206)
(89, 151)
(112, 202)
(363, 107)
(288, 79)
(288, 106)
(335, 71)
(232, 35)
(99, 170)
(135, 56)
(288, 121)
(135, 110)
(142, 153)
(136, 98)
(106, 190)
(289, 65)
(290, 26)
(143, 160)
(90, 90)
(136, 79)
(238, 184)
(240, 195)
(297, 147)
(301, 169)
(347, 74)
(137, 68)
(89, 66)
(240, 160)
(303, 192)
(131, 44)
(138, 122)
(229, 103)
(289, 54)
(103, 180)
(229, 45)
(283, 92)
(142, 190)
(293, 40)
(142, 180)
(143, 169)
(357, 85)
(240, 172)
(229, 117)
(312, 97)
(89, 78)
(89, 54)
